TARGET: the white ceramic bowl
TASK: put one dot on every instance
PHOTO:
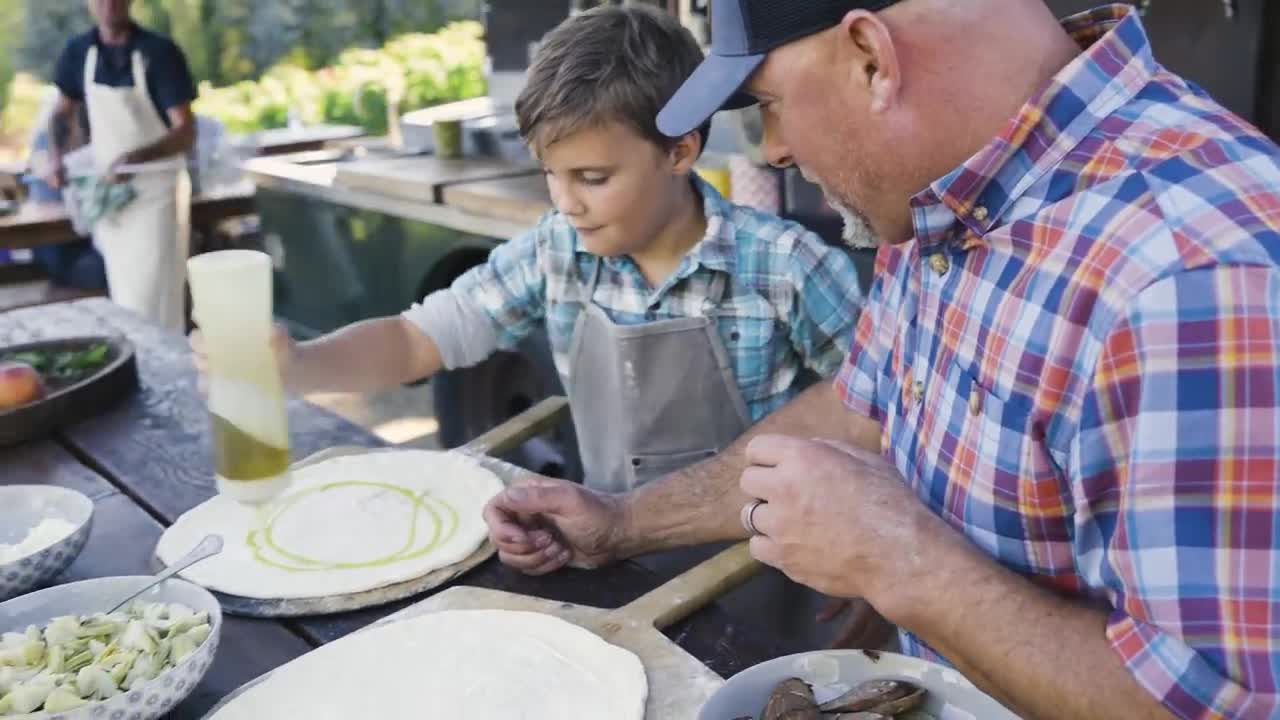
(150, 700)
(22, 507)
(833, 672)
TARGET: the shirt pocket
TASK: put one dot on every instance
(990, 427)
(997, 472)
(748, 326)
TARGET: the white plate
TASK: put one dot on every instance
(834, 672)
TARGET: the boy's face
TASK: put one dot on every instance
(617, 188)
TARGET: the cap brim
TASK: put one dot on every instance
(712, 87)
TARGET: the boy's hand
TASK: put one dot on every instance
(282, 346)
(540, 525)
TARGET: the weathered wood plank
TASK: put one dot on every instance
(121, 543)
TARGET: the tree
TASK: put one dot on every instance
(230, 40)
(10, 39)
(48, 25)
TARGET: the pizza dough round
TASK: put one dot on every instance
(475, 664)
(346, 525)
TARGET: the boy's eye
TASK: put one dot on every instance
(590, 179)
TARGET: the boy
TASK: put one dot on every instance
(676, 319)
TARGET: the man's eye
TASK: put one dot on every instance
(595, 179)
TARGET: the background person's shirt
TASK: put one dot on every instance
(169, 81)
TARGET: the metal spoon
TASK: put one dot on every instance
(210, 546)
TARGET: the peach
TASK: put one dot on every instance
(19, 384)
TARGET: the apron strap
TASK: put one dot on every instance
(719, 286)
(90, 67)
(594, 281)
(139, 73)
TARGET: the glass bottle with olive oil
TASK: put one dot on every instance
(231, 299)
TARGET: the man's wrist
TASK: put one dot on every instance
(912, 588)
(625, 538)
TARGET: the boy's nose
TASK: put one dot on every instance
(565, 201)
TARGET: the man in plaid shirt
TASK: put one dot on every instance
(1059, 467)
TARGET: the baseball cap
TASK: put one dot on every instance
(742, 33)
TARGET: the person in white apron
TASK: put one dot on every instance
(145, 244)
(136, 89)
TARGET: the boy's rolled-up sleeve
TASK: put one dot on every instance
(492, 306)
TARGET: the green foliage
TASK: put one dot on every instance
(257, 60)
(417, 69)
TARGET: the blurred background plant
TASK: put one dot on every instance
(261, 64)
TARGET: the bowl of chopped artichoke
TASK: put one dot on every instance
(63, 658)
(42, 530)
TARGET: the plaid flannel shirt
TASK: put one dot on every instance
(1076, 363)
(785, 306)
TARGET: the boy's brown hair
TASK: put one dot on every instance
(608, 64)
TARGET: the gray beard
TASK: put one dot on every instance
(857, 232)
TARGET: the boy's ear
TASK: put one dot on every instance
(684, 153)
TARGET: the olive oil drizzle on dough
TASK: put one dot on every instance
(262, 541)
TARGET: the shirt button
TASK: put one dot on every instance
(939, 263)
(975, 402)
(980, 213)
(917, 391)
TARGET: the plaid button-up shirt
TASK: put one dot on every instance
(785, 305)
(1076, 363)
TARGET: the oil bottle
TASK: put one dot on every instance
(231, 302)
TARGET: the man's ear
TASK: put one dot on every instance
(684, 153)
(873, 59)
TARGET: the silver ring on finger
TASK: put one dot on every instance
(747, 516)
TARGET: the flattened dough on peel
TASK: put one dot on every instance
(474, 664)
(346, 525)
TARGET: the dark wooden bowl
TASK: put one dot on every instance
(83, 398)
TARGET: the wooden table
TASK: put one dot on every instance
(281, 141)
(515, 199)
(147, 461)
(37, 224)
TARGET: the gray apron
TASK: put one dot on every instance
(653, 398)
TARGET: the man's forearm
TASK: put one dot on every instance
(175, 142)
(1043, 656)
(700, 504)
(367, 356)
(60, 131)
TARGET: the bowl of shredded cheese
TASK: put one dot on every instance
(42, 530)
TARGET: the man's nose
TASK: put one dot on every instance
(774, 150)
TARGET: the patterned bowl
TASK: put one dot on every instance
(22, 507)
(153, 699)
(833, 672)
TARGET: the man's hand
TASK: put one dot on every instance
(835, 518)
(541, 525)
(113, 171)
(54, 174)
(861, 627)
